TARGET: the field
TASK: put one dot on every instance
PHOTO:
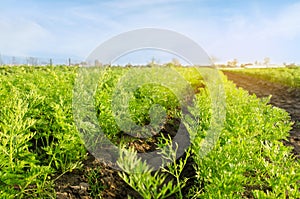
(279, 83)
(287, 76)
(43, 148)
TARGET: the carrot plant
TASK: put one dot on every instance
(153, 184)
(40, 142)
(38, 138)
(139, 105)
(249, 159)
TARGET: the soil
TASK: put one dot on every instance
(76, 185)
(106, 180)
(283, 97)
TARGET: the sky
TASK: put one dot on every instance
(246, 30)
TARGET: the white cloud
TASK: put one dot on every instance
(247, 34)
(287, 24)
(21, 36)
(140, 4)
(253, 36)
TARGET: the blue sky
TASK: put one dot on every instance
(245, 30)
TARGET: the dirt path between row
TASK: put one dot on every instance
(282, 96)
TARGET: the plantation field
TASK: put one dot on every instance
(287, 76)
(41, 144)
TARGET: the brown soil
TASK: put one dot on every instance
(76, 184)
(283, 97)
(106, 180)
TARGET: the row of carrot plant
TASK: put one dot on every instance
(40, 141)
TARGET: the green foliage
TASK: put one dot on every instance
(103, 101)
(192, 75)
(149, 95)
(38, 137)
(174, 166)
(94, 180)
(148, 183)
(249, 160)
(142, 100)
(19, 167)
